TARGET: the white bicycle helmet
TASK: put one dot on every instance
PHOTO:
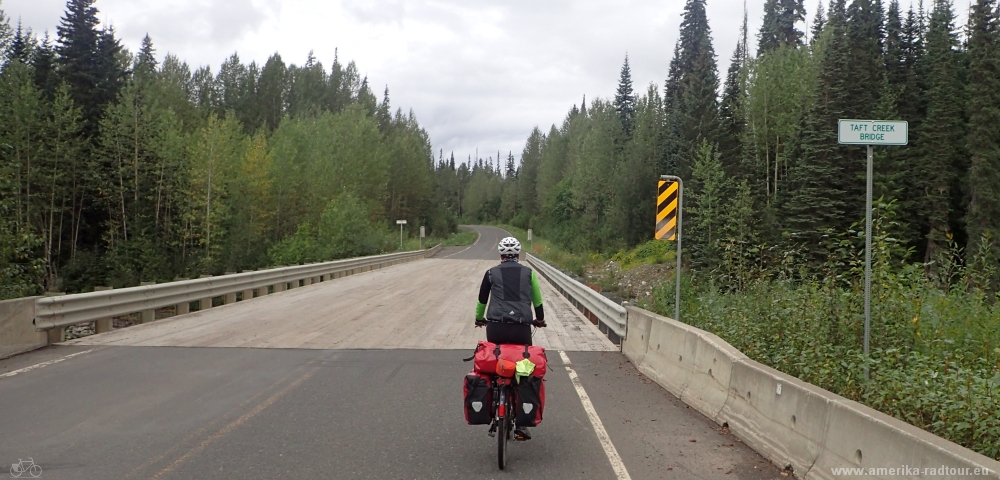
(509, 246)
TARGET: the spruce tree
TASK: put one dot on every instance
(942, 136)
(146, 59)
(44, 63)
(528, 179)
(5, 37)
(730, 113)
(778, 29)
(866, 66)
(819, 21)
(691, 92)
(272, 92)
(894, 47)
(625, 100)
(818, 197)
(78, 60)
(983, 139)
(21, 45)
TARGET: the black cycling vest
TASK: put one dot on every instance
(510, 295)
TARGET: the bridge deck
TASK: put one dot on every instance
(427, 304)
(354, 378)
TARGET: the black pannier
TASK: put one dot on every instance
(530, 401)
(478, 399)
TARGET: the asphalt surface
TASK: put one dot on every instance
(484, 248)
(126, 412)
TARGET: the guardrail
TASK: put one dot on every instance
(53, 314)
(610, 317)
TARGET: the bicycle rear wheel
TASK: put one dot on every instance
(502, 429)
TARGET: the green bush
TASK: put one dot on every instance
(345, 229)
(934, 363)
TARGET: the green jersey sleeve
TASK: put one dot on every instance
(536, 291)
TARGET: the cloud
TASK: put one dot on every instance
(477, 73)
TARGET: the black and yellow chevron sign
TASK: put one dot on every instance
(666, 211)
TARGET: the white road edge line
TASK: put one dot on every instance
(564, 357)
(466, 248)
(44, 364)
(602, 435)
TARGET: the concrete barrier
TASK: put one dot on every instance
(790, 422)
(861, 436)
(694, 365)
(779, 416)
(637, 334)
(17, 331)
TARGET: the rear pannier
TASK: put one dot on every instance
(478, 399)
(530, 401)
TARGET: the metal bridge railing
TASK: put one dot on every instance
(53, 314)
(610, 317)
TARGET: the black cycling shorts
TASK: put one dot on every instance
(509, 333)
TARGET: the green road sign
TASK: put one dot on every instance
(873, 132)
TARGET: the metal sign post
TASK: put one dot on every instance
(531, 244)
(421, 237)
(669, 208)
(870, 132)
(400, 223)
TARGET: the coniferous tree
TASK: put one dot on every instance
(146, 58)
(983, 139)
(528, 178)
(271, 92)
(942, 136)
(730, 113)
(818, 198)
(44, 62)
(5, 37)
(895, 65)
(625, 100)
(87, 62)
(691, 92)
(779, 27)
(864, 34)
(21, 45)
(819, 21)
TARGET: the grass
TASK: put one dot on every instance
(574, 263)
(935, 351)
(460, 238)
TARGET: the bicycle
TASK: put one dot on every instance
(504, 397)
(19, 468)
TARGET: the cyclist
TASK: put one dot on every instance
(511, 290)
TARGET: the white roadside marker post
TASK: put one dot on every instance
(400, 223)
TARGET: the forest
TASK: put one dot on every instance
(117, 168)
(774, 207)
(757, 145)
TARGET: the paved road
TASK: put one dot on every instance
(119, 411)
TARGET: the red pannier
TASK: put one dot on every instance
(487, 353)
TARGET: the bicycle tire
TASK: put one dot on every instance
(502, 432)
(35, 471)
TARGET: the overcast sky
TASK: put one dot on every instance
(478, 74)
